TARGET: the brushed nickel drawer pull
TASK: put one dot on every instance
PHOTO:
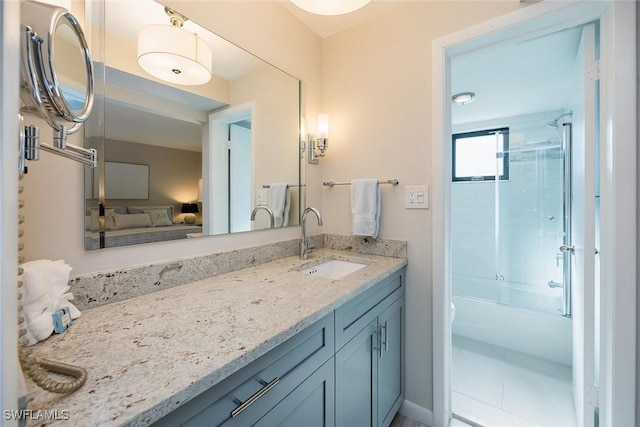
(257, 395)
(386, 337)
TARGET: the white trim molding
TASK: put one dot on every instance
(618, 188)
(12, 383)
(416, 412)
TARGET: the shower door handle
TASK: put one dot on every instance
(571, 249)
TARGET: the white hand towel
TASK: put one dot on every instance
(279, 201)
(44, 292)
(365, 207)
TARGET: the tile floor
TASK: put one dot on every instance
(493, 386)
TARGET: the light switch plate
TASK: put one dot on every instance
(262, 197)
(416, 197)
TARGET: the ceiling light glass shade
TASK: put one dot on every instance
(463, 98)
(174, 55)
(330, 7)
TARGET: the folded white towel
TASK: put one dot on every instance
(365, 207)
(279, 202)
(44, 292)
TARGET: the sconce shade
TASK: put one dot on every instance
(174, 55)
(323, 125)
(330, 7)
(189, 208)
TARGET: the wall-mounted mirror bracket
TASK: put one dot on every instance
(317, 148)
(30, 147)
(64, 103)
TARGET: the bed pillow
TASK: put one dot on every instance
(93, 217)
(159, 217)
(143, 209)
(110, 223)
(132, 220)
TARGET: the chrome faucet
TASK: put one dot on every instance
(266, 208)
(305, 246)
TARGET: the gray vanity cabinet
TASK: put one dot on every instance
(344, 370)
(369, 367)
(311, 404)
(284, 374)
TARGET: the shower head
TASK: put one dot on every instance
(554, 124)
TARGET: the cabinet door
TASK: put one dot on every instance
(356, 365)
(312, 403)
(391, 362)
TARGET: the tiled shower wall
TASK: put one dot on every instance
(529, 226)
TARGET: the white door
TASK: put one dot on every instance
(223, 168)
(584, 226)
(240, 177)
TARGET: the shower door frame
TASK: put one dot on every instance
(617, 302)
(567, 139)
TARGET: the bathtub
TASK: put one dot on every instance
(537, 333)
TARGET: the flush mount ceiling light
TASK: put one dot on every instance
(173, 54)
(330, 7)
(463, 98)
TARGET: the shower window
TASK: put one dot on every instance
(475, 155)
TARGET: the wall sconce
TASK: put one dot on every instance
(189, 209)
(173, 54)
(322, 143)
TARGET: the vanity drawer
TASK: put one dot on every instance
(275, 375)
(353, 316)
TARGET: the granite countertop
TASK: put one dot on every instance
(147, 355)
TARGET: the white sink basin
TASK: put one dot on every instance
(333, 269)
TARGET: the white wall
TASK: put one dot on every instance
(54, 186)
(377, 92)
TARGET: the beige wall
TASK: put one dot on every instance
(377, 79)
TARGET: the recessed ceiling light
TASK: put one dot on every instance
(463, 98)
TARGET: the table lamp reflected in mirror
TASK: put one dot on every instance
(190, 209)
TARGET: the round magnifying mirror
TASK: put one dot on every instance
(69, 68)
(57, 65)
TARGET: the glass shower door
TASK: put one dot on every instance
(530, 227)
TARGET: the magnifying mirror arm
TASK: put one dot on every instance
(32, 147)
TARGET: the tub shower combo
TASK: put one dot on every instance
(511, 240)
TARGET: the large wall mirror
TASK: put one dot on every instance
(183, 161)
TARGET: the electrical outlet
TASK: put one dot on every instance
(262, 197)
(416, 197)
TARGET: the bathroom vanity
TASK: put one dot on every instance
(274, 344)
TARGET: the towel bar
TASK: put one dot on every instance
(288, 185)
(331, 183)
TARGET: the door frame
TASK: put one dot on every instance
(617, 302)
(216, 131)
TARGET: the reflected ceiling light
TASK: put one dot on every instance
(463, 98)
(330, 7)
(172, 54)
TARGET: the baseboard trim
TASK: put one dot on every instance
(417, 412)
